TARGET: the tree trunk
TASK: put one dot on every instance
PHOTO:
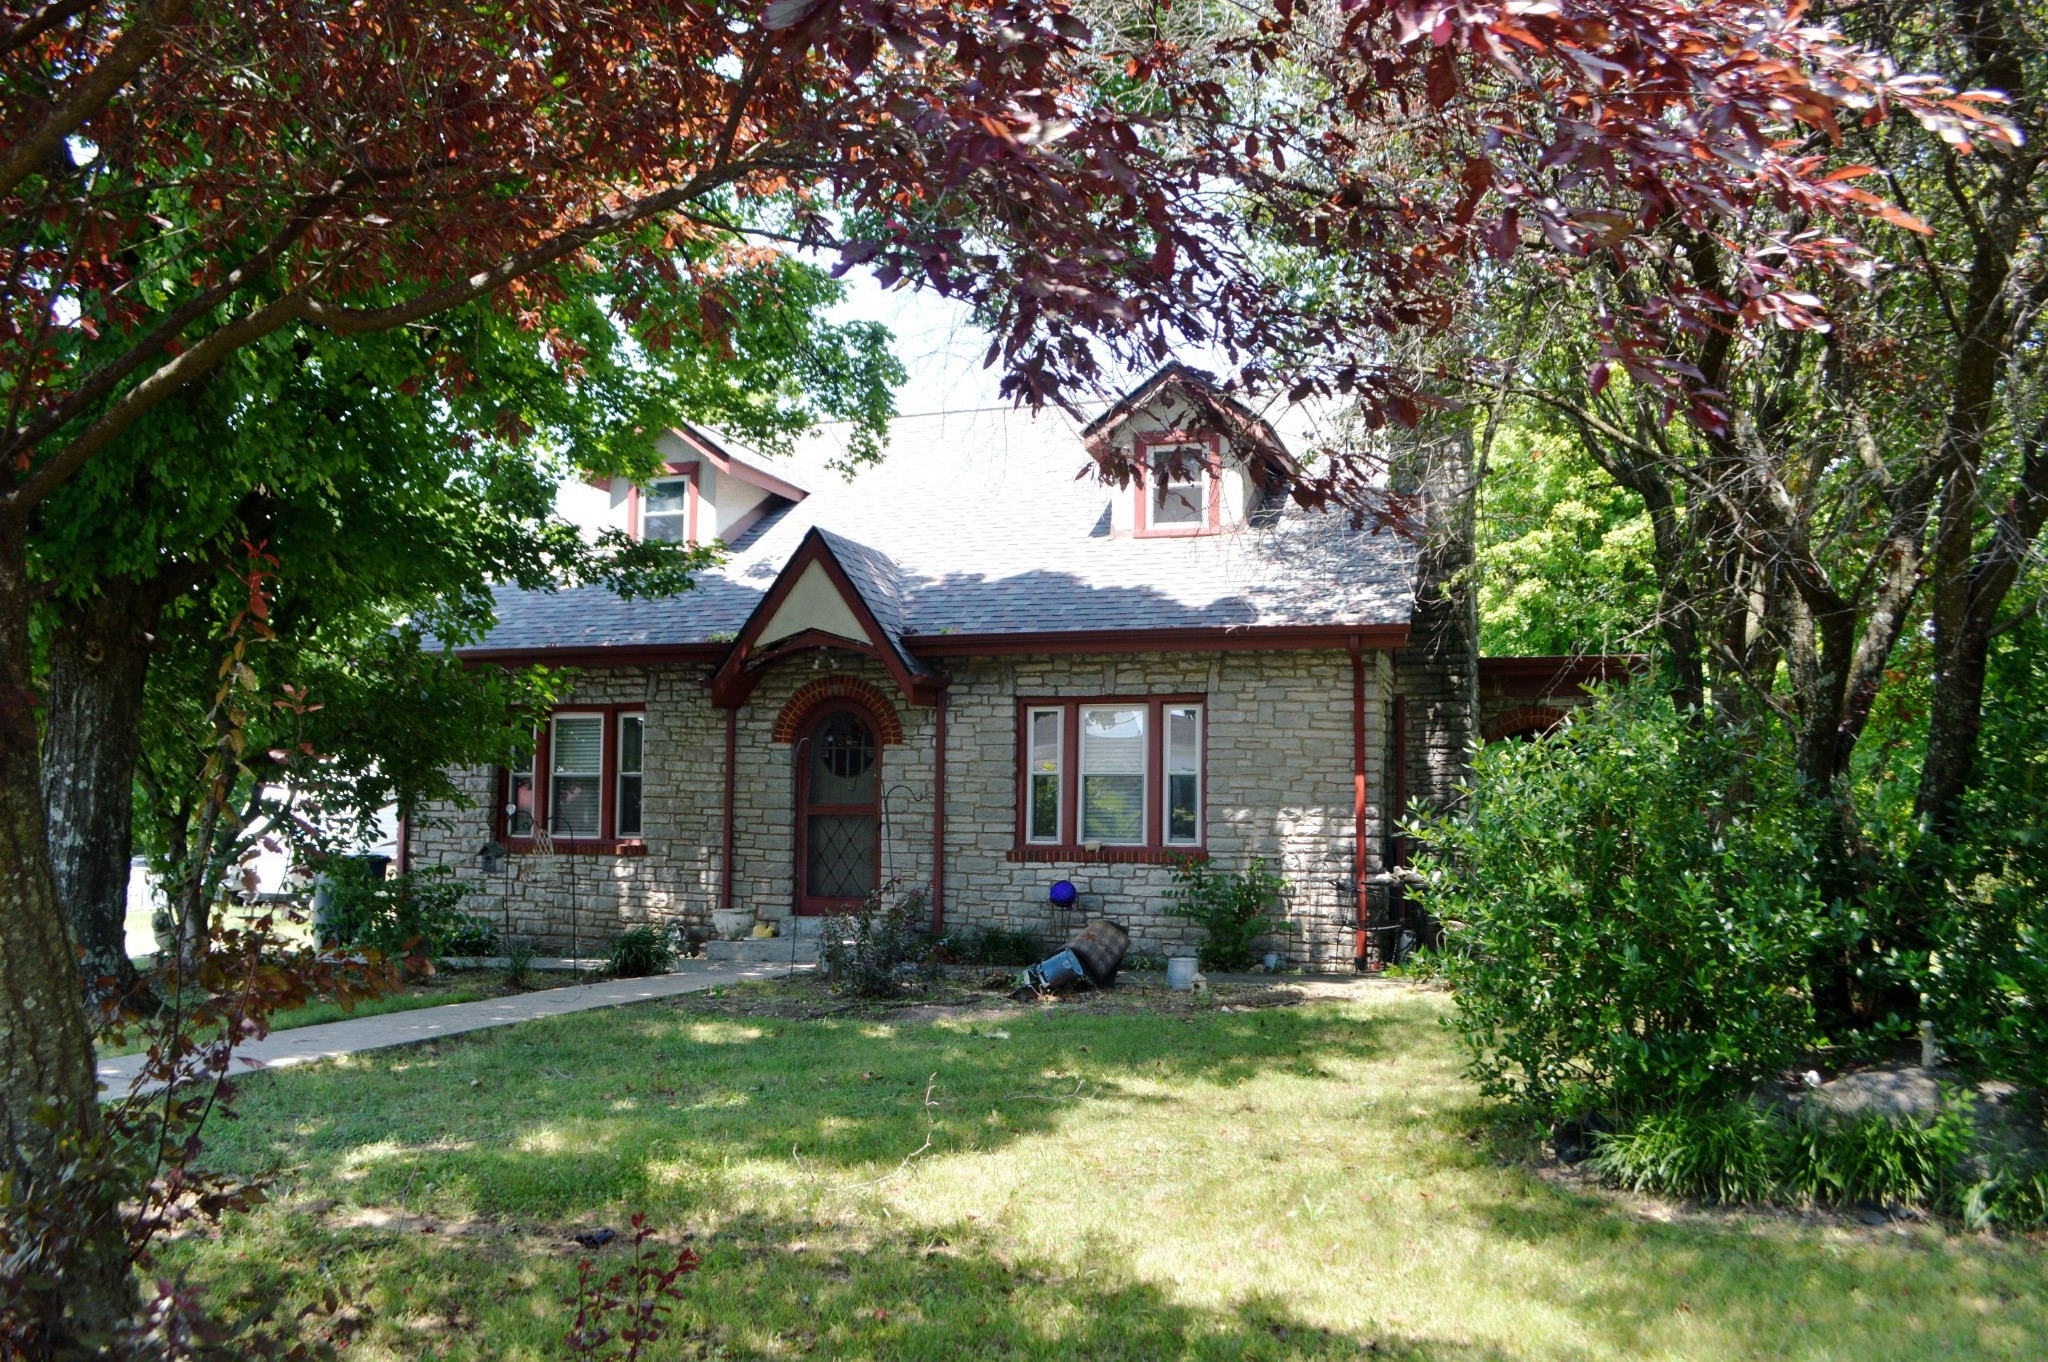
(1439, 669)
(46, 1057)
(99, 658)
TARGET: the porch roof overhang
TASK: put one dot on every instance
(832, 593)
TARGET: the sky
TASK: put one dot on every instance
(938, 344)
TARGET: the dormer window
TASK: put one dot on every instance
(665, 512)
(1181, 487)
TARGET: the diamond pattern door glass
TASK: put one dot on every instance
(839, 855)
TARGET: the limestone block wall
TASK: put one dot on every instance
(1279, 772)
(578, 901)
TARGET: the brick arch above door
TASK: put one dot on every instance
(796, 715)
(1526, 720)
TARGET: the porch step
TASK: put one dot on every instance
(773, 950)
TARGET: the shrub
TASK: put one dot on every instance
(1985, 981)
(638, 952)
(1231, 906)
(1633, 907)
(417, 913)
(1739, 1151)
(865, 949)
(519, 953)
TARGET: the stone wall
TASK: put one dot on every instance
(1279, 786)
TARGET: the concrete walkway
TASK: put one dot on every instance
(309, 1043)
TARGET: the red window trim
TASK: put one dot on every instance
(691, 498)
(607, 840)
(1144, 445)
(1155, 849)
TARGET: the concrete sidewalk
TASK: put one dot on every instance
(309, 1043)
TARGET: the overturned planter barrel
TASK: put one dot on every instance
(1092, 956)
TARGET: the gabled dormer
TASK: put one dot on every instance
(1200, 461)
(710, 487)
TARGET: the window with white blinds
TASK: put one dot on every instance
(576, 791)
(1112, 773)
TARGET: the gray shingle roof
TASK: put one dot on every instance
(991, 522)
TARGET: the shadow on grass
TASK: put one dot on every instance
(609, 1108)
(775, 1287)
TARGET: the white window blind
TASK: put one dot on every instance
(1113, 775)
(576, 794)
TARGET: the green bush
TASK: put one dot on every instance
(1231, 906)
(1985, 982)
(519, 954)
(1739, 1151)
(639, 952)
(1634, 911)
(417, 913)
(865, 951)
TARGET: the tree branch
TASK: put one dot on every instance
(92, 92)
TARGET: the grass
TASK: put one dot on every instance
(441, 989)
(1306, 1181)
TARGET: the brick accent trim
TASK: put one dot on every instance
(1044, 854)
(1523, 720)
(796, 714)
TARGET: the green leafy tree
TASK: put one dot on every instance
(1563, 555)
(392, 509)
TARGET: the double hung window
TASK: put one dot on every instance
(632, 733)
(665, 511)
(576, 792)
(1112, 773)
(1180, 486)
(581, 780)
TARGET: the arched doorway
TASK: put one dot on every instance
(838, 811)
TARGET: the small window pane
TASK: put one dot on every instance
(631, 735)
(1113, 775)
(1045, 776)
(843, 761)
(576, 793)
(519, 787)
(1045, 808)
(1180, 487)
(1183, 774)
(1045, 740)
(519, 814)
(579, 744)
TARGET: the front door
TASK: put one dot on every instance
(838, 815)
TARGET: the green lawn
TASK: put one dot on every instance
(1306, 1181)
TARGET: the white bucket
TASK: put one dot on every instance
(1180, 972)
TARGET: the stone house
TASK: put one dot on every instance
(969, 669)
